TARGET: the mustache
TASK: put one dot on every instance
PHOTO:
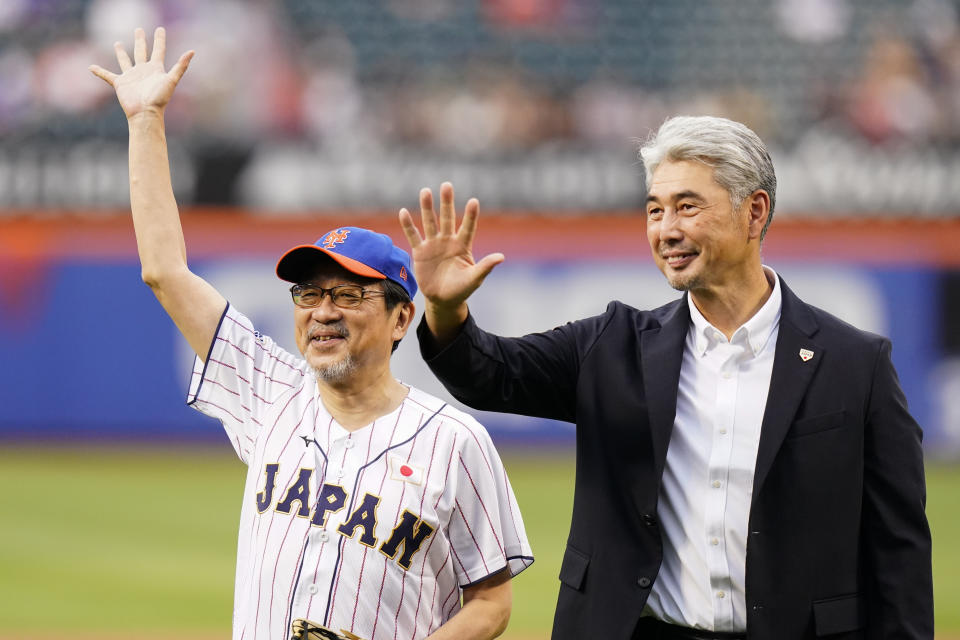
(671, 247)
(337, 327)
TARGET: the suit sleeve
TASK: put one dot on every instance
(895, 529)
(534, 375)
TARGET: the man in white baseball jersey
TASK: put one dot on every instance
(371, 509)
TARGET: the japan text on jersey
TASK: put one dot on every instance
(374, 532)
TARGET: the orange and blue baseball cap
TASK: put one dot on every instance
(360, 251)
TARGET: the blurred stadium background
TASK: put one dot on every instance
(121, 503)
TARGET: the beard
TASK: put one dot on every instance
(686, 279)
(685, 282)
(341, 370)
(336, 371)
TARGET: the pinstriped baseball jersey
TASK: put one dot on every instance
(373, 531)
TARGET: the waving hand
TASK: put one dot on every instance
(144, 89)
(443, 259)
(143, 85)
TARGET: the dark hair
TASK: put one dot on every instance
(394, 294)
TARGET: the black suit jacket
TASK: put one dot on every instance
(838, 541)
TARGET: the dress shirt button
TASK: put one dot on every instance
(721, 595)
(714, 541)
(715, 484)
(643, 582)
(726, 375)
(723, 432)
(313, 589)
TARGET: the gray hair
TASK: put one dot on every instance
(740, 161)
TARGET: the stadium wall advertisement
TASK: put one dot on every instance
(88, 353)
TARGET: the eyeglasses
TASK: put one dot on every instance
(345, 296)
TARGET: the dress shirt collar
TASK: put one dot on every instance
(755, 332)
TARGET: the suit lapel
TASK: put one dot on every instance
(661, 354)
(796, 359)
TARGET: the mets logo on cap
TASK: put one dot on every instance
(335, 237)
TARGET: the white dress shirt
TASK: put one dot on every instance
(704, 501)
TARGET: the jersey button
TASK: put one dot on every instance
(323, 535)
(349, 443)
(313, 589)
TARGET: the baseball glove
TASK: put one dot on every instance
(306, 630)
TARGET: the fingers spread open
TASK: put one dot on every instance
(122, 56)
(486, 265)
(103, 74)
(468, 228)
(427, 216)
(448, 211)
(139, 46)
(159, 45)
(176, 72)
(410, 229)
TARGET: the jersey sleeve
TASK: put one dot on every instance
(486, 530)
(243, 374)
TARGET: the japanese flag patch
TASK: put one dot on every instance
(403, 471)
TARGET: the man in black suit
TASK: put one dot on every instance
(746, 464)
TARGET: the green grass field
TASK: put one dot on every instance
(102, 540)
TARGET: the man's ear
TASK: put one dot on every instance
(758, 211)
(404, 320)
